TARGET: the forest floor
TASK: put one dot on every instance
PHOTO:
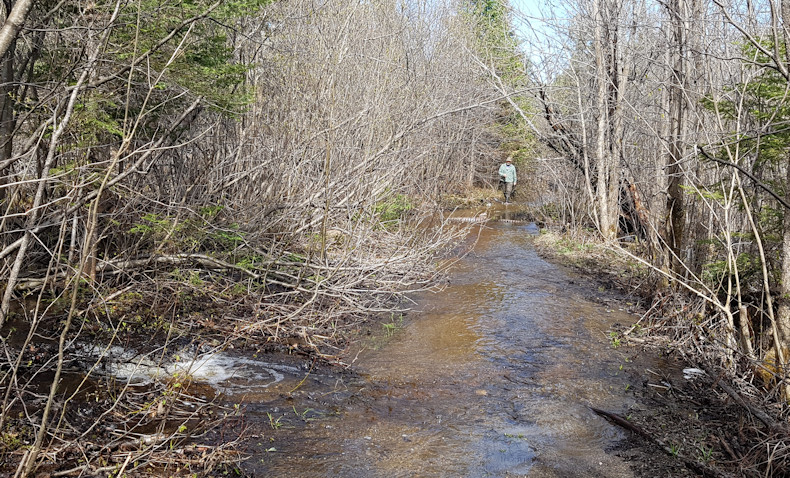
(680, 426)
(677, 427)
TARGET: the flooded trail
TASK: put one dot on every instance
(492, 376)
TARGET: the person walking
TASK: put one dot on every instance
(507, 175)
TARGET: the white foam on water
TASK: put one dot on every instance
(218, 370)
(221, 371)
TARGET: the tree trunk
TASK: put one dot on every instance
(12, 24)
(6, 104)
(618, 74)
(603, 157)
(675, 221)
(783, 312)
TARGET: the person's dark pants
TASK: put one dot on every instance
(508, 190)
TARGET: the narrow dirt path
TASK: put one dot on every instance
(494, 376)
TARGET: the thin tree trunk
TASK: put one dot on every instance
(675, 225)
(12, 24)
(6, 113)
(783, 312)
(619, 82)
(602, 152)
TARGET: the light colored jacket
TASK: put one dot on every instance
(509, 172)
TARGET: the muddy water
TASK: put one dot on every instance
(492, 376)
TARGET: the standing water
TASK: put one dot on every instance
(492, 377)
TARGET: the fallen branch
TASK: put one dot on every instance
(119, 267)
(694, 465)
(620, 421)
(772, 424)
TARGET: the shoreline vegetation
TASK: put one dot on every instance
(709, 421)
(309, 302)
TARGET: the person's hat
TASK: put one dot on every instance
(508, 160)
